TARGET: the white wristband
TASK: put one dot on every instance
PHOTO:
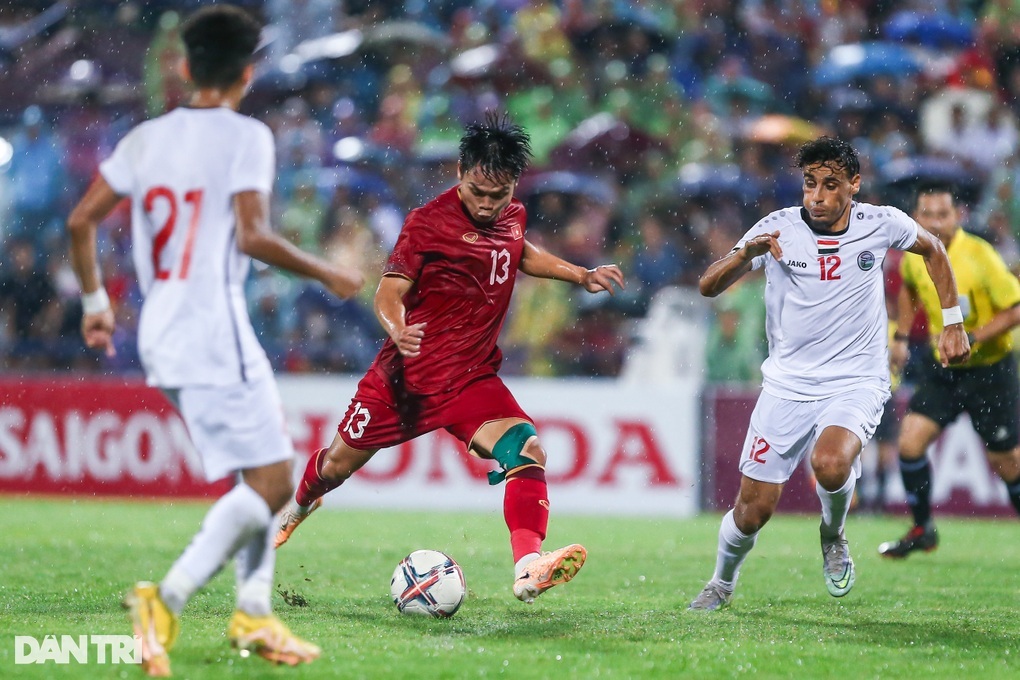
(95, 302)
(951, 316)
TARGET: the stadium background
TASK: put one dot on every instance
(661, 130)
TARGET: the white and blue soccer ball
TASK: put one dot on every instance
(428, 583)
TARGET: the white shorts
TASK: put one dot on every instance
(782, 432)
(235, 427)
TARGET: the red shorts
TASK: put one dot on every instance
(381, 416)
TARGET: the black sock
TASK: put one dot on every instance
(1014, 493)
(917, 482)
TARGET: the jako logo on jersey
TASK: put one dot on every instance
(866, 260)
(795, 263)
(470, 237)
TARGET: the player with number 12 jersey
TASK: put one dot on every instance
(825, 300)
(826, 379)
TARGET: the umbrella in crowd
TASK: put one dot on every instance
(569, 183)
(725, 181)
(357, 180)
(931, 29)
(847, 63)
(924, 168)
(903, 174)
(602, 140)
(780, 129)
(619, 31)
(389, 42)
(497, 64)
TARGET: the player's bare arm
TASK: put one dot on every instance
(256, 239)
(953, 344)
(725, 271)
(542, 264)
(390, 310)
(98, 202)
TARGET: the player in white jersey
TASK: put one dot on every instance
(199, 180)
(826, 378)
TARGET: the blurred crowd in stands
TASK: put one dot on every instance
(662, 130)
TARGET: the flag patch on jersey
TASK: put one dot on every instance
(515, 230)
(827, 247)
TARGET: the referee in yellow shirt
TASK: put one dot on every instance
(985, 386)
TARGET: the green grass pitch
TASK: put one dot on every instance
(949, 614)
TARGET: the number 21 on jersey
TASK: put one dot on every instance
(165, 196)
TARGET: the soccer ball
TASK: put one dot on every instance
(428, 583)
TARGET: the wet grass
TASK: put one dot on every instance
(948, 614)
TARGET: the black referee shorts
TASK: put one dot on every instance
(989, 394)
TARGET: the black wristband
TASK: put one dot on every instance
(900, 337)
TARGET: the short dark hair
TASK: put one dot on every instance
(829, 150)
(219, 41)
(497, 146)
(929, 187)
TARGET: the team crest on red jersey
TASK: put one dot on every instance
(470, 237)
(515, 230)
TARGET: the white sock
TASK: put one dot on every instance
(231, 522)
(523, 563)
(256, 566)
(835, 506)
(734, 545)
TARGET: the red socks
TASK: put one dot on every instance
(312, 485)
(526, 510)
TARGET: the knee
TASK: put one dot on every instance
(280, 494)
(1006, 464)
(335, 468)
(910, 448)
(535, 452)
(751, 517)
(916, 434)
(276, 491)
(831, 470)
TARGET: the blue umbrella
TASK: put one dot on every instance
(931, 29)
(926, 168)
(572, 183)
(724, 182)
(847, 63)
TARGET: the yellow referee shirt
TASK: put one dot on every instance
(986, 287)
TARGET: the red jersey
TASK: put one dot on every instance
(463, 275)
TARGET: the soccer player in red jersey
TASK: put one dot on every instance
(442, 301)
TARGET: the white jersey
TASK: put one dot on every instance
(181, 171)
(825, 309)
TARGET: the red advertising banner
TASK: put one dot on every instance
(95, 437)
(962, 481)
(613, 448)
